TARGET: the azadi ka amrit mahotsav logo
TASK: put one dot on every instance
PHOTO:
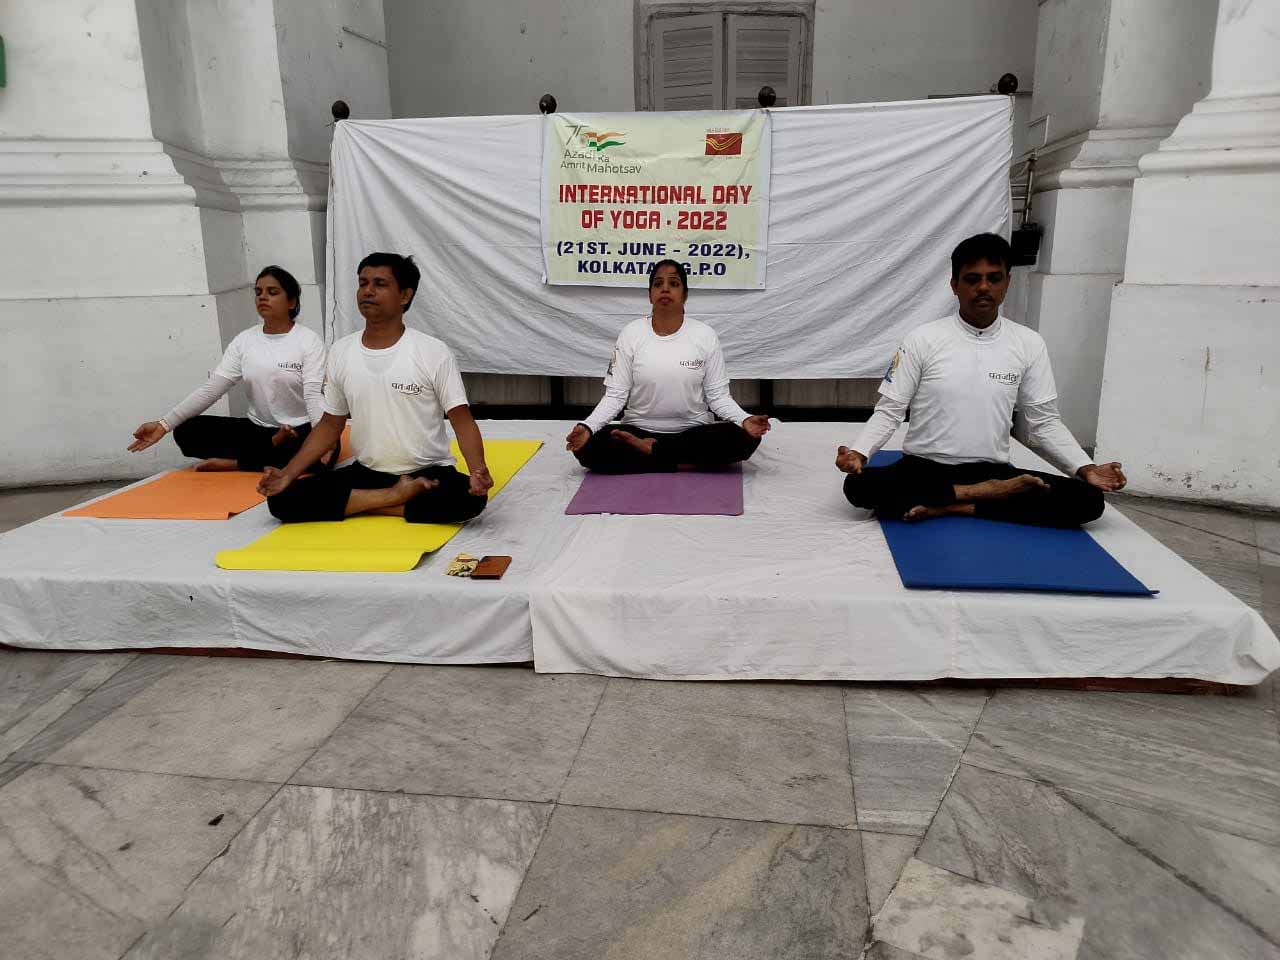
(600, 142)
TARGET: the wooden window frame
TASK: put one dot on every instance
(646, 11)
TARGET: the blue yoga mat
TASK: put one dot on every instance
(968, 553)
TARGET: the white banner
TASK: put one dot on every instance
(866, 203)
(622, 191)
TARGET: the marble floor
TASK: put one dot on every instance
(168, 806)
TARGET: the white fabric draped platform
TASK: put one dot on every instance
(800, 587)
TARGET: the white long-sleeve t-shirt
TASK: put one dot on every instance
(962, 385)
(282, 372)
(666, 384)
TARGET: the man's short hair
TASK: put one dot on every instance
(403, 269)
(983, 246)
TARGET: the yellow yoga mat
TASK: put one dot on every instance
(370, 544)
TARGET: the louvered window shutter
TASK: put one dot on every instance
(763, 51)
(687, 59)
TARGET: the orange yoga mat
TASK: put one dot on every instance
(180, 495)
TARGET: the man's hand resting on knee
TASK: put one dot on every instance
(1107, 477)
(481, 482)
(850, 461)
(273, 482)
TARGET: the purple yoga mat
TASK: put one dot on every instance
(687, 492)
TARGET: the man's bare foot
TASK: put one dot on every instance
(1000, 489)
(928, 513)
(923, 513)
(217, 465)
(388, 501)
(406, 488)
(634, 442)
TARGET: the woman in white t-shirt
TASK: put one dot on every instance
(282, 365)
(668, 373)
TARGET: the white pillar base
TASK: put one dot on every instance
(1192, 390)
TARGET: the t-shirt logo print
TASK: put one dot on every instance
(893, 367)
(294, 365)
(1010, 378)
(693, 364)
(409, 389)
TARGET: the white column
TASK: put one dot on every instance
(1191, 392)
(1112, 78)
(154, 155)
(104, 295)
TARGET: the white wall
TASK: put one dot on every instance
(1071, 43)
(320, 62)
(46, 45)
(911, 49)
(482, 57)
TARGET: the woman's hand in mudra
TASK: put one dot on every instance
(757, 426)
(577, 438)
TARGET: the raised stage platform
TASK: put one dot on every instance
(801, 586)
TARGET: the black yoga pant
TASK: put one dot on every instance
(706, 445)
(238, 439)
(324, 496)
(917, 482)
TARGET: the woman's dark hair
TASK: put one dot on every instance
(684, 277)
(287, 283)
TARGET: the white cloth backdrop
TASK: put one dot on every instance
(868, 201)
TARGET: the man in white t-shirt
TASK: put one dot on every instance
(397, 386)
(963, 378)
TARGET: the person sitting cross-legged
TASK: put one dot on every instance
(963, 377)
(281, 364)
(397, 385)
(668, 373)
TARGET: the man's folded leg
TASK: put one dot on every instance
(324, 496)
(1065, 502)
(449, 501)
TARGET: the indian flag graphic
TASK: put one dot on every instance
(599, 142)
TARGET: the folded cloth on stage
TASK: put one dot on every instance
(179, 495)
(682, 492)
(370, 544)
(969, 553)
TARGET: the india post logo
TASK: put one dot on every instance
(724, 144)
(600, 142)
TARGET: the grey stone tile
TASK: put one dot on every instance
(632, 886)
(38, 686)
(344, 874)
(242, 719)
(1204, 535)
(1211, 760)
(938, 914)
(26, 504)
(905, 744)
(1148, 886)
(883, 951)
(1267, 531)
(9, 771)
(91, 858)
(500, 732)
(884, 855)
(120, 687)
(1270, 577)
(1242, 579)
(752, 752)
